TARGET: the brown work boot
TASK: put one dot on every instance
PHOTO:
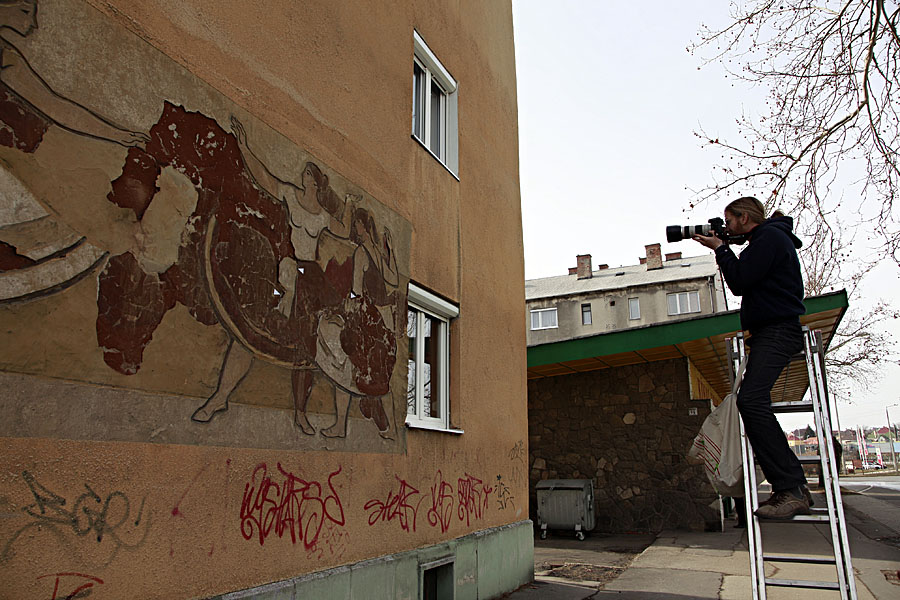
(803, 488)
(783, 505)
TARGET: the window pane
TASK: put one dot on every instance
(634, 308)
(418, 101)
(694, 299)
(673, 303)
(535, 320)
(436, 143)
(550, 318)
(431, 367)
(585, 314)
(411, 363)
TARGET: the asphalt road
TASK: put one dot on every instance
(872, 505)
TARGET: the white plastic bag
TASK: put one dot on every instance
(718, 445)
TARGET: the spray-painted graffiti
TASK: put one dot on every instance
(63, 585)
(395, 506)
(516, 456)
(473, 498)
(291, 506)
(105, 519)
(402, 505)
(504, 496)
(189, 502)
(441, 509)
(332, 544)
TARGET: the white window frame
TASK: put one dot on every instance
(540, 311)
(682, 299)
(424, 302)
(434, 71)
(634, 309)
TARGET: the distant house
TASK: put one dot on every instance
(589, 301)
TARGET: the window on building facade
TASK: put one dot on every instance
(634, 308)
(428, 385)
(683, 302)
(434, 113)
(543, 318)
(585, 314)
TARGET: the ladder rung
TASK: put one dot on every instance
(785, 407)
(809, 560)
(812, 459)
(815, 585)
(814, 518)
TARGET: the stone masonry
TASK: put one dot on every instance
(629, 429)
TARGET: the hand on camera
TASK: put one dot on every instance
(710, 241)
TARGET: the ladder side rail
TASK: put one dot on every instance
(830, 471)
(826, 451)
(838, 525)
(736, 353)
(754, 534)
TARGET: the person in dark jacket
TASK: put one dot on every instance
(767, 276)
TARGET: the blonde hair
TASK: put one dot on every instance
(750, 206)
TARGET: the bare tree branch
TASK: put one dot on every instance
(826, 149)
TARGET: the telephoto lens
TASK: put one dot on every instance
(676, 233)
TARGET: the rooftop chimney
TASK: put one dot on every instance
(673, 255)
(654, 257)
(602, 267)
(584, 266)
(573, 270)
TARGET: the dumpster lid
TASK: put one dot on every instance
(564, 484)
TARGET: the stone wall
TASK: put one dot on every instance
(628, 429)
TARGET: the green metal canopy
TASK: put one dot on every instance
(701, 339)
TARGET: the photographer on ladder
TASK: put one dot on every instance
(767, 276)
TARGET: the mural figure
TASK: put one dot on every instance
(295, 275)
(38, 253)
(333, 292)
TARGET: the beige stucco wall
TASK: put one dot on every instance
(104, 477)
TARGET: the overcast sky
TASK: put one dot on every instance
(609, 100)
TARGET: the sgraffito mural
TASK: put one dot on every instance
(200, 324)
(173, 204)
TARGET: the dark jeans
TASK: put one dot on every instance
(771, 349)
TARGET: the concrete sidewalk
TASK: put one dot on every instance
(679, 565)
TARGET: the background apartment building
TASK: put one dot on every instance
(589, 301)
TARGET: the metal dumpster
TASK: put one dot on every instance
(565, 504)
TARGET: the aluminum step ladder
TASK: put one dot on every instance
(814, 358)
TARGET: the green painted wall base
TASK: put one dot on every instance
(482, 565)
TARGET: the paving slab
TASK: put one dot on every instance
(552, 590)
(722, 552)
(678, 582)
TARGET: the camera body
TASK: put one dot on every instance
(715, 226)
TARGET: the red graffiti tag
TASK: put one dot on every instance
(176, 510)
(296, 507)
(473, 498)
(441, 510)
(77, 592)
(395, 506)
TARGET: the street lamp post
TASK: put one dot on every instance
(890, 431)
